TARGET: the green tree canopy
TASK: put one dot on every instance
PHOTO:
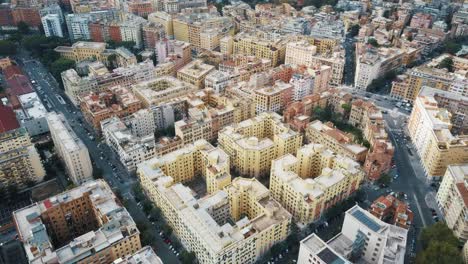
(7, 48)
(439, 246)
(373, 42)
(187, 257)
(447, 63)
(23, 27)
(354, 30)
(59, 66)
(439, 252)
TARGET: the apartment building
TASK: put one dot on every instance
(335, 139)
(429, 128)
(303, 85)
(70, 149)
(131, 30)
(178, 52)
(249, 44)
(164, 19)
(173, 7)
(393, 211)
(20, 164)
(202, 224)
(52, 25)
(217, 80)
(208, 113)
(132, 149)
(273, 98)
(451, 198)
(408, 86)
(374, 63)
(363, 238)
(152, 33)
(252, 144)
(160, 90)
(114, 101)
(76, 85)
(32, 114)
(195, 73)
(142, 122)
(199, 159)
(300, 53)
(335, 60)
(86, 224)
(367, 117)
(145, 255)
(313, 181)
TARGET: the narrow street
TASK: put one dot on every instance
(101, 155)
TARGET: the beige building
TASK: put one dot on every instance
(235, 225)
(20, 164)
(70, 149)
(273, 98)
(194, 160)
(195, 73)
(452, 198)
(254, 45)
(161, 90)
(313, 181)
(83, 50)
(335, 139)
(410, 84)
(145, 255)
(300, 53)
(429, 128)
(86, 224)
(252, 144)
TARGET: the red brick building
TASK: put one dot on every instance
(6, 15)
(378, 160)
(28, 15)
(140, 8)
(393, 211)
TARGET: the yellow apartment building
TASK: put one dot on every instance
(313, 181)
(252, 144)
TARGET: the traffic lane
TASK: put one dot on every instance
(409, 182)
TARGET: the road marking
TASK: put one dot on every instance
(419, 209)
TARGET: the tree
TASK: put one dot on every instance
(187, 257)
(373, 42)
(97, 173)
(384, 179)
(155, 213)
(166, 229)
(437, 232)
(452, 47)
(23, 28)
(59, 66)
(7, 48)
(346, 107)
(446, 63)
(439, 252)
(112, 59)
(354, 30)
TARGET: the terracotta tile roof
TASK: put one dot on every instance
(7, 119)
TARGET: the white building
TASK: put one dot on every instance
(53, 9)
(70, 148)
(32, 115)
(52, 25)
(163, 116)
(131, 30)
(77, 25)
(141, 123)
(145, 255)
(217, 80)
(131, 149)
(302, 85)
(363, 239)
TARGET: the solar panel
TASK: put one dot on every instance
(327, 256)
(363, 218)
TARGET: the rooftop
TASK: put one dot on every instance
(196, 69)
(33, 233)
(7, 119)
(145, 255)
